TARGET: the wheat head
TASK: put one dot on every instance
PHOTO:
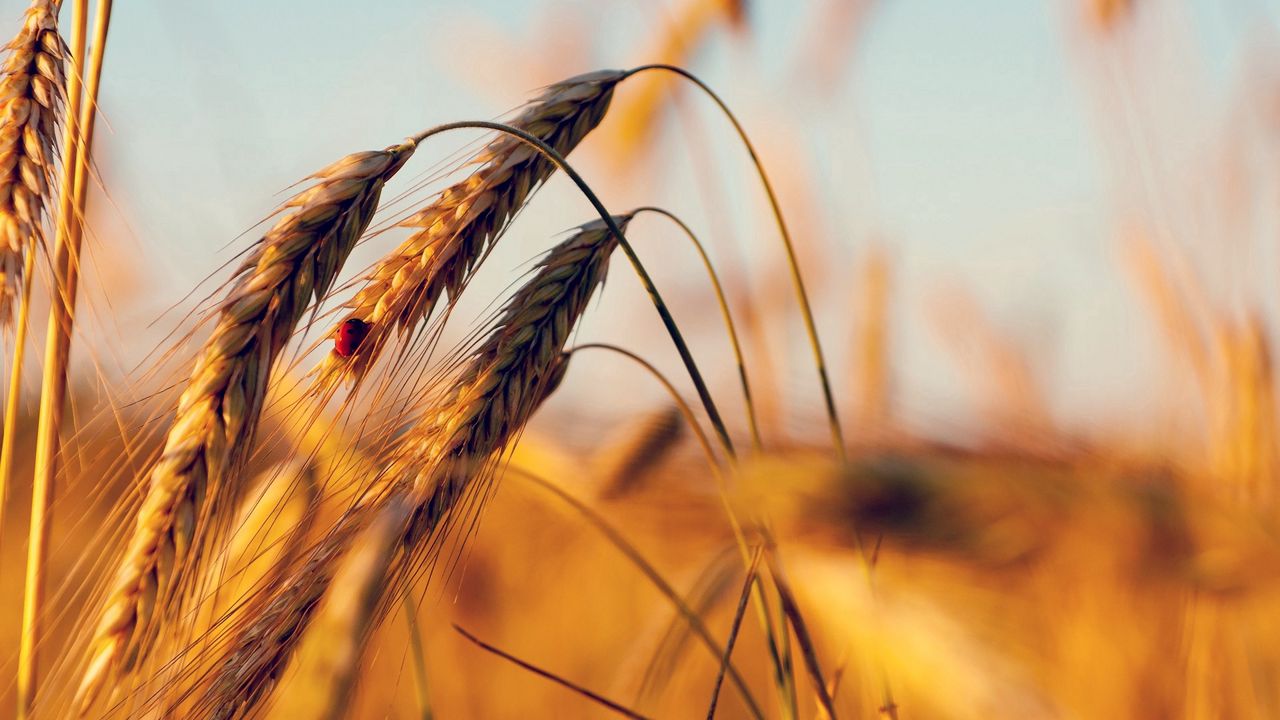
(519, 364)
(32, 92)
(217, 413)
(455, 231)
(510, 374)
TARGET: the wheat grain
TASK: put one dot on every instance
(454, 232)
(217, 413)
(32, 92)
(509, 376)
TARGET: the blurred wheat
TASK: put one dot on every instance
(283, 549)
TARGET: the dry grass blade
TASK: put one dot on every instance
(329, 655)
(455, 231)
(32, 93)
(594, 697)
(217, 414)
(437, 463)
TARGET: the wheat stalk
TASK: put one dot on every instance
(32, 93)
(217, 414)
(454, 232)
(506, 379)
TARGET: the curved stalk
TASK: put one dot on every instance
(647, 569)
(681, 405)
(724, 312)
(777, 642)
(833, 417)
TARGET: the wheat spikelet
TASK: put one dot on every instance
(454, 232)
(510, 374)
(508, 377)
(217, 413)
(32, 90)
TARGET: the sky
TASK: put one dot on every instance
(972, 139)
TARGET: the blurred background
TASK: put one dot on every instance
(996, 152)
(1040, 238)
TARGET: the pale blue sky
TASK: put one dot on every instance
(965, 135)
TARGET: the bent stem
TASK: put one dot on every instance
(667, 320)
(681, 405)
(724, 312)
(778, 643)
(567, 684)
(833, 417)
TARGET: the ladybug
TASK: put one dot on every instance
(350, 334)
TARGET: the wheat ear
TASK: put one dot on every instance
(507, 378)
(519, 364)
(454, 232)
(32, 93)
(217, 413)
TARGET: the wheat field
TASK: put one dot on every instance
(632, 394)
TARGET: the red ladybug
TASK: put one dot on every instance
(351, 333)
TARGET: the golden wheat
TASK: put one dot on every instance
(641, 448)
(510, 374)
(218, 412)
(437, 463)
(454, 232)
(32, 92)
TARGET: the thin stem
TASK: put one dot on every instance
(724, 312)
(667, 320)
(419, 656)
(13, 401)
(803, 638)
(779, 656)
(54, 382)
(681, 405)
(833, 417)
(596, 697)
(741, 610)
